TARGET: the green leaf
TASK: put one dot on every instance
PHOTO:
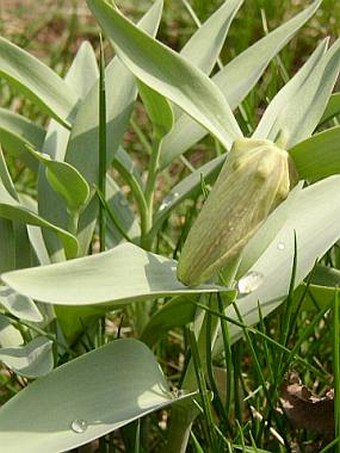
(11, 209)
(32, 360)
(85, 399)
(205, 45)
(158, 109)
(332, 109)
(9, 335)
(176, 313)
(297, 108)
(16, 132)
(81, 76)
(38, 82)
(168, 73)
(189, 186)
(126, 224)
(318, 156)
(235, 81)
(82, 150)
(124, 274)
(64, 180)
(313, 240)
(18, 305)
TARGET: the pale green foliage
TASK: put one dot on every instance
(113, 385)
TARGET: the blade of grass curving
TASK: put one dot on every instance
(257, 332)
(219, 407)
(38, 82)
(235, 81)
(318, 156)
(203, 392)
(168, 73)
(107, 211)
(297, 108)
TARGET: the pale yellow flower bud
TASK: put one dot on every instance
(256, 177)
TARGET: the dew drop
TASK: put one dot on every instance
(249, 282)
(281, 246)
(79, 425)
(163, 206)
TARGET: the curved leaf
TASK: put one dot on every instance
(313, 240)
(297, 108)
(318, 156)
(9, 335)
(124, 274)
(32, 360)
(11, 209)
(16, 132)
(235, 81)
(84, 399)
(168, 73)
(18, 305)
(38, 82)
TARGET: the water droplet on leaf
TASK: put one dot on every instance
(249, 282)
(79, 425)
(281, 246)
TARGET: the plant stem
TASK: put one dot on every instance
(149, 194)
(180, 424)
(102, 147)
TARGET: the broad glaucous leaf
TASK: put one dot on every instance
(32, 360)
(164, 70)
(274, 266)
(119, 276)
(85, 399)
(298, 107)
(37, 82)
(21, 306)
(235, 81)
